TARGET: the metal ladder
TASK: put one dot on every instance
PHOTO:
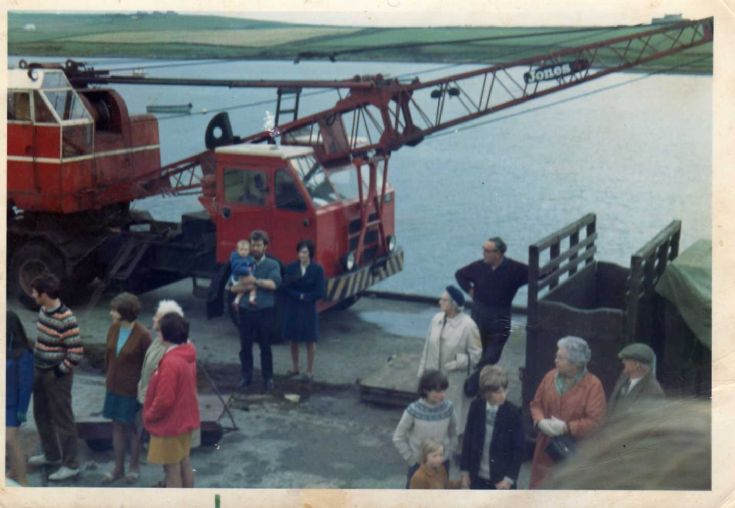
(293, 93)
(122, 266)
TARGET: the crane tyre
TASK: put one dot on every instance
(29, 261)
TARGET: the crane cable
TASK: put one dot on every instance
(180, 63)
(561, 101)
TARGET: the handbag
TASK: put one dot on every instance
(561, 447)
(472, 384)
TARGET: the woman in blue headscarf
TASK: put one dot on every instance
(452, 347)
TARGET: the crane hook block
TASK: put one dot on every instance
(219, 132)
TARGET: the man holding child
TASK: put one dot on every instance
(257, 316)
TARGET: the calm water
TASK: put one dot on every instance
(634, 150)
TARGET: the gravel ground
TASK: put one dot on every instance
(328, 439)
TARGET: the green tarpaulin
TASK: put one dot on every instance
(687, 284)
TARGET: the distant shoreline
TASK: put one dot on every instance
(170, 36)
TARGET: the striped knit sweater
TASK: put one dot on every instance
(423, 420)
(58, 345)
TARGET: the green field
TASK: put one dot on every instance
(171, 36)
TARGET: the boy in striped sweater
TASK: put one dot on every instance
(57, 351)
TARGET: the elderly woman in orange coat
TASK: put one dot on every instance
(569, 400)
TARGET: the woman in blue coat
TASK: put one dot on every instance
(18, 388)
(304, 284)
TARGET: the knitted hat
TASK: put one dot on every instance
(638, 352)
(456, 295)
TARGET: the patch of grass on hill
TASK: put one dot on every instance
(171, 36)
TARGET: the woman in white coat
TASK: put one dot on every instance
(453, 347)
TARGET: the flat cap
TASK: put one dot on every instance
(637, 351)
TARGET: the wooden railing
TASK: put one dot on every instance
(562, 263)
(646, 267)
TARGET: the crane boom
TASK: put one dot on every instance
(391, 114)
(381, 115)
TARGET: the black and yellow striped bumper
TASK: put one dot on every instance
(353, 283)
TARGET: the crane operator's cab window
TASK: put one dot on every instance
(57, 105)
(317, 182)
(42, 112)
(247, 187)
(67, 104)
(288, 196)
(19, 106)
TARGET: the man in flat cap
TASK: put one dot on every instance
(637, 382)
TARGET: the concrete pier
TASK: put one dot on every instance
(300, 436)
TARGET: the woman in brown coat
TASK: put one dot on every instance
(127, 342)
(569, 400)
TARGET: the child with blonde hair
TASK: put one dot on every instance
(242, 265)
(432, 474)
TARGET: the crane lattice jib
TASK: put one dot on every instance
(391, 114)
(184, 177)
(381, 115)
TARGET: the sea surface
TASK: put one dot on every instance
(633, 148)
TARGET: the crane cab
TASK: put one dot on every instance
(67, 148)
(285, 191)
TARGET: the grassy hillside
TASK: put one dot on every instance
(169, 35)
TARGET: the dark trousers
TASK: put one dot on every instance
(494, 332)
(54, 417)
(256, 326)
(412, 471)
(492, 345)
(478, 483)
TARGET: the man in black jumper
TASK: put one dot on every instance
(492, 282)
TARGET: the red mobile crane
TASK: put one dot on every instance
(76, 159)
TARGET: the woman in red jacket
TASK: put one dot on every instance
(171, 409)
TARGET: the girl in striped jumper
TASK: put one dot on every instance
(429, 417)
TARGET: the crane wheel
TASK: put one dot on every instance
(29, 261)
